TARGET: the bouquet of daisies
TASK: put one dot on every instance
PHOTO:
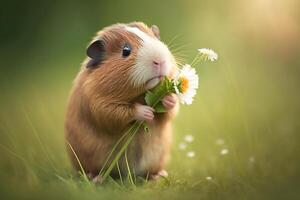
(184, 85)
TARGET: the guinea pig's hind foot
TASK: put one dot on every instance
(98, 180)
(95, 178)
(160, 174)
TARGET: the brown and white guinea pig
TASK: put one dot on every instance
(124, 61)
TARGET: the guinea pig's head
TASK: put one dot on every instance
(129, 57)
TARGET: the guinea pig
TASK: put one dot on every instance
(123, 62)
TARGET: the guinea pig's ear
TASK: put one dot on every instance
(95, 51)
(155, 30)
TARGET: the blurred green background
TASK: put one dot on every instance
(247, 104)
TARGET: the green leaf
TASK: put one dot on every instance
(159, 108)
(149, 97)
(146, 127)
(153, 96)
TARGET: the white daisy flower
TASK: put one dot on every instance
(220, 141)
(252, 159)
(182, 146)
(224, 151)
(208, 178)
(190, 154)
(185, 84)
(208, 54)
(189, 138)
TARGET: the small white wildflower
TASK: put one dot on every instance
(209, 54)
(182, 146)
(208, 178)
(224, 151)
(190, 154)
(189, 138)
(251, 159)
(220, 141)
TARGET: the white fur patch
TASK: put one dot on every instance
(139, 33)
(151, 50)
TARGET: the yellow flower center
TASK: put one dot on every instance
(184, 84)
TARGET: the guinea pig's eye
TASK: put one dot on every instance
(126, 50)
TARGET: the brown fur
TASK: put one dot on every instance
(101, 108)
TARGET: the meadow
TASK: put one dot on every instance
(244, 120)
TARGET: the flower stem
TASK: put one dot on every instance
(195, 59)
(130, 133)
(128, 169)
(114, 148)
(135, 127)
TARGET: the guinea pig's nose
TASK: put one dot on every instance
(157, 64)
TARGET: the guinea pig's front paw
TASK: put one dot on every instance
(160, 174)
(143, 113)
(169, 101)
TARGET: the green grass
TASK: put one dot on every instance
(261, 161)
(249, 98)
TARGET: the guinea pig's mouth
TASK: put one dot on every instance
(155, 77)
(152, 82)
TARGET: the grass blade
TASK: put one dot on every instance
(81, 168)
(128, 169)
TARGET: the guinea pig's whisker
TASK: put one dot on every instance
(172, 45)
(178, 48)
(173, 39)
(179, 64)
(181, 57)
(180, 54)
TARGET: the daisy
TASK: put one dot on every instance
(185, 84)
(190, 154)
(220, 141)
(208, 54)
(224, 151)
(189, 138)
(252, 159)
(182, 146)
